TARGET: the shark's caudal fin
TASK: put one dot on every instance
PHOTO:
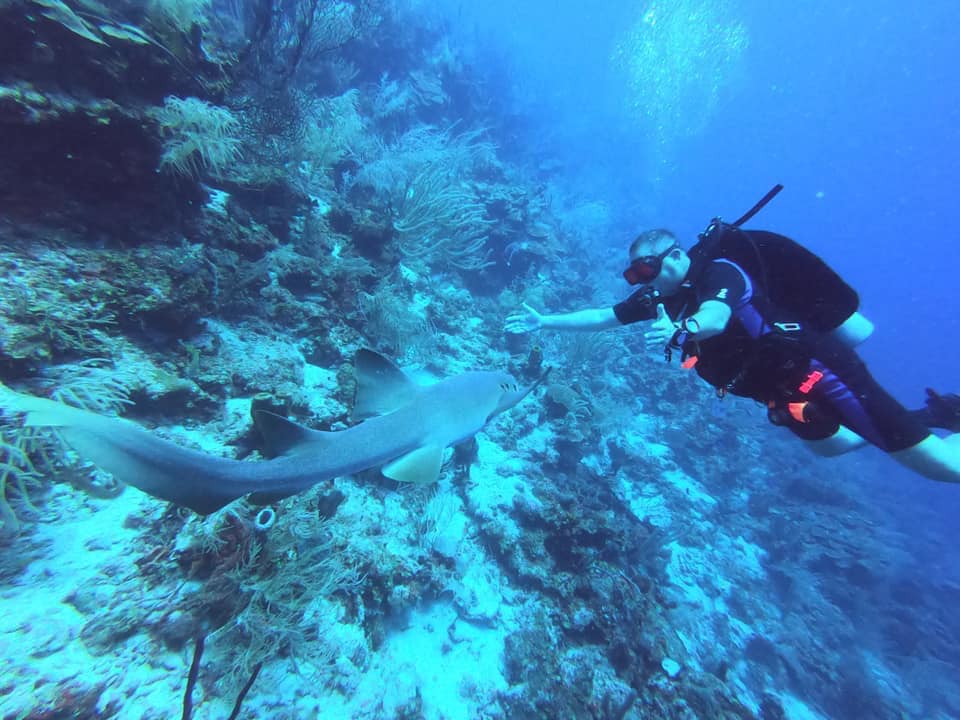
(40, 412)
(127, 451)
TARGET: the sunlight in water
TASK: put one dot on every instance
(677, 58)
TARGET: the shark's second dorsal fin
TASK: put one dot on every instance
(282, 436)
(382, 387)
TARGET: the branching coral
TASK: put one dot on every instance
(332, 129)
(30, 456)
(390, 168)
(288, 611)
(391, 323)
(18, 478)
(289, 37)
(434, 519)
(441, 219)
(583, 354)
(92, 384)
(197, 136)
(41, 316)
(180, 15)
(427, 88)
(423, 177)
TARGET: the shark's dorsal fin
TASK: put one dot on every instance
(382, 387)
(282, 436)
(421, 467)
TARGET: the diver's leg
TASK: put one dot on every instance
(842, 441)
(854, 330)
(863, 412)
(933, 457)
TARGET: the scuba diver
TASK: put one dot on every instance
(757, 315)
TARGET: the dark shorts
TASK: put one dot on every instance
(848, 395)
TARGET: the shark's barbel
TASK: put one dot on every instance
(404, 430)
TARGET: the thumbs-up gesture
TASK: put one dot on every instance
(660, 331)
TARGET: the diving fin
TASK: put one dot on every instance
(942, 411)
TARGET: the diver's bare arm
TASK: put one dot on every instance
(592, 319)
(710, 319)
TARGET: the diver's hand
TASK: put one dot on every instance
(525, 322)
(661, 330)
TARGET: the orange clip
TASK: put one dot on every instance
(796, 411)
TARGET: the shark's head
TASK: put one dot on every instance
(511, 392)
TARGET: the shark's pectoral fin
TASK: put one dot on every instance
(422, 466)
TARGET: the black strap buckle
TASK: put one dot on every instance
(676, 343)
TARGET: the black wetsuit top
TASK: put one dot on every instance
(753, 358)
(731, 359)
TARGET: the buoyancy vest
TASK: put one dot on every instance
(796, 298)
(797, 284)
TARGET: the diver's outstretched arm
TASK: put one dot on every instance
(592, 319)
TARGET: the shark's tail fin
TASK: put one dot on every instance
(129, 453)
(40, 412)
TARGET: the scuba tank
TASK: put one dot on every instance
(797, 283)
